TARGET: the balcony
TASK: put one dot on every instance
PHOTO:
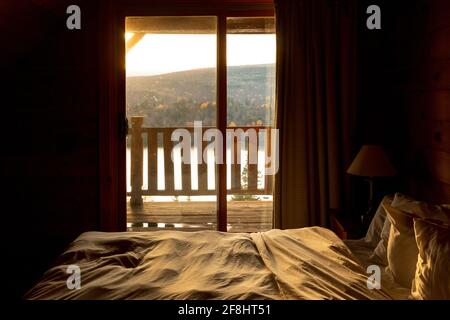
(166, 194)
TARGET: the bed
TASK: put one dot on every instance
(307, 263)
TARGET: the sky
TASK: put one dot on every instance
(164, 53)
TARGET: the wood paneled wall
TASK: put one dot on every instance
(49, 134)
(427, 105)
(404, 94)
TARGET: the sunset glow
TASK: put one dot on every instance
(165, 53)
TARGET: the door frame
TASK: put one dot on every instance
(112, 142)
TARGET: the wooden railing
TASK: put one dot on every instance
(160, 138)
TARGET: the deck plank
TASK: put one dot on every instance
(243, 216)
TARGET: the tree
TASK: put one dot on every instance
(244, 185)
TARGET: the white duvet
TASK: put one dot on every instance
(308, 263)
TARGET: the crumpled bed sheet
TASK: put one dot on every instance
(307, 263)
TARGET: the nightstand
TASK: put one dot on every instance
(347, 227)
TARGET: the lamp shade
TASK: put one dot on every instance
(371, 161)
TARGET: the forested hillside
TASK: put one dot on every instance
(178, 99)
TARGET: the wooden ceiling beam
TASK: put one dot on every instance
(135, 38)
(198, 25)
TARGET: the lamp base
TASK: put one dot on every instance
(366, 217)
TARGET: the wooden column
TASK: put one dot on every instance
(137, 161)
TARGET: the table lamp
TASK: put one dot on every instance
(371, 162)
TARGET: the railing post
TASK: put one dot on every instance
(137, 161)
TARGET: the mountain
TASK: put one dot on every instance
(179, 98)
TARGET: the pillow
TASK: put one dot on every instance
(402, 249)
(379, 254)
(432, 278)
(421, 209)
(374, 232)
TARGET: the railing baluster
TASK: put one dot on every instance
(235, 164)
(152, 152)
(202, 170)
(252, 169)
(186, 169)
(168, 164)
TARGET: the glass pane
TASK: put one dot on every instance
(251, 49)
(170, 87)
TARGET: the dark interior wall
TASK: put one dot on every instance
(377, 103)
(426, 103)
(399, 87)
(403, 98)
(49, 133)
(50, 112)
(381, 56)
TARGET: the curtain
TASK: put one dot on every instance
(316, 48)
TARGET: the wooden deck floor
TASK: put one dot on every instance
(243, 216)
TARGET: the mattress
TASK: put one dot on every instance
(307, 263)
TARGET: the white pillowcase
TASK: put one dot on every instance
(421, 209)
(379, 254)
(409, 205)
(402, 249)
(374, 232)
(432, 278)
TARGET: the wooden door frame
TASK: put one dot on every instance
(112, 146)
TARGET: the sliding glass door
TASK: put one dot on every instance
(170, 87)
(176, 100)
(251, 50)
